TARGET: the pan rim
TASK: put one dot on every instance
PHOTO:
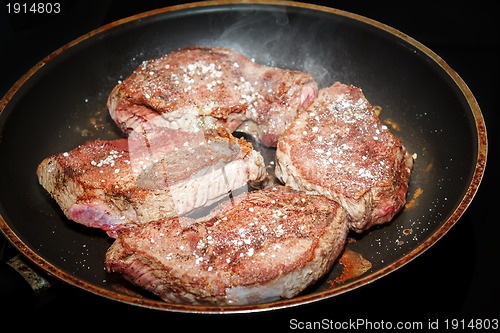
(480, 164)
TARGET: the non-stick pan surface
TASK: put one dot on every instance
(61, 103)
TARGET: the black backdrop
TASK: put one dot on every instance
(456, 278)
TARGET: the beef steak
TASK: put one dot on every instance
(204, 87)
(338, 147)
(258, 247)
(126, 182)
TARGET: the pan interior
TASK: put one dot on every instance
(63, 104)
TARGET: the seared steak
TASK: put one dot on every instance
(127, 182)
(260, 246)
(339, 169)
(201, 87)
(338, 147)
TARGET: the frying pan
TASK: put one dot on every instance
(426, 103)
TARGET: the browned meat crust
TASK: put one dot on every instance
(128, 182)
(203, 87)
(258, 247)
(338, 147)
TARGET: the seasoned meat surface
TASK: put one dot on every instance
(203, 87)
(339, 148)
(128, 182)
(168, 192)
(260, 246)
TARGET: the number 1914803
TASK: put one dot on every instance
(33, 8)
(472, 324)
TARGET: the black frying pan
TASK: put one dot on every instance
(427, 104)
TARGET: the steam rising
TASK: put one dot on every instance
(278, 39)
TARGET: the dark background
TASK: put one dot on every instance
(456, 278)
